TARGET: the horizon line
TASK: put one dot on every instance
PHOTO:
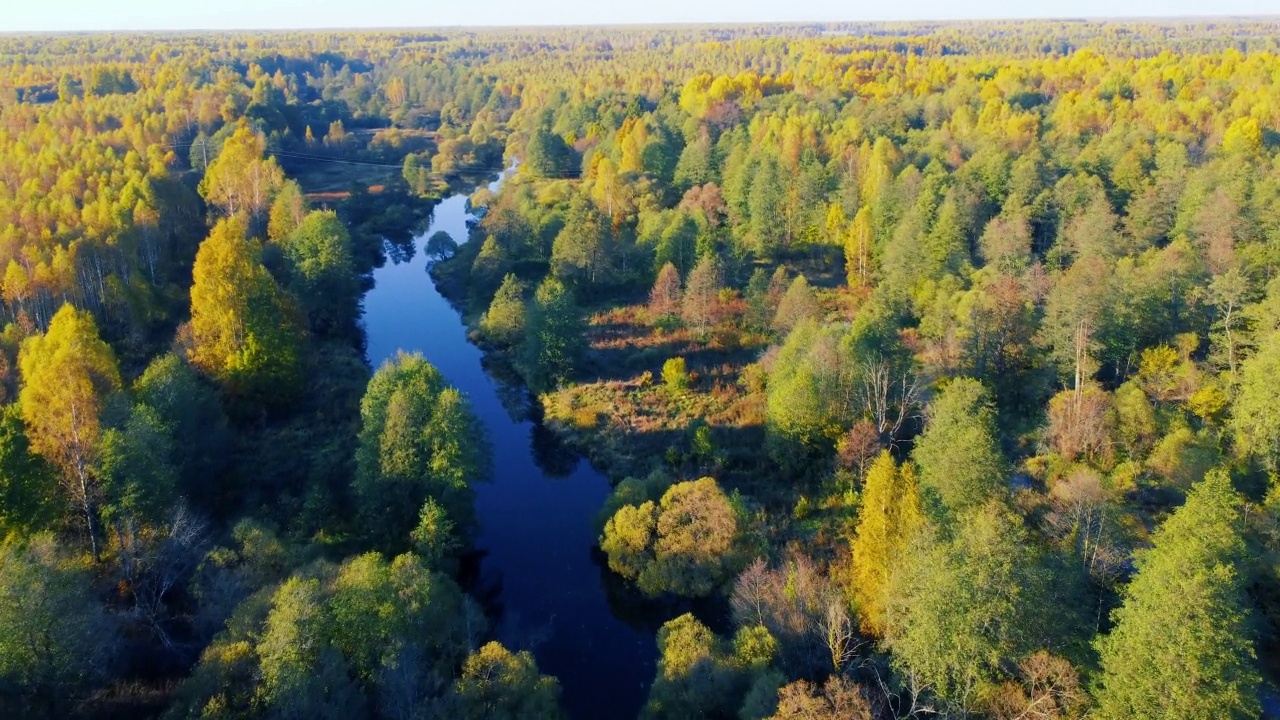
(1101, 19)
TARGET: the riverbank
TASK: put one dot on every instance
(538, 579)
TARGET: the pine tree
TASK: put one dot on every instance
(887, 520)
(1182, 645)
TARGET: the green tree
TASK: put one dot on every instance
(288, 210)
(504, 322)
(67, 376)
(28, 483)
(797, 305)
(554, 338)
(688, 544)
(322, 273)
(547, 155)
(959, 456)
(243, 331)
(580, 254)
(1255, 414)
(961, 608)
(55, 639)
(194, 422)
(1182, 645)
(418, 440)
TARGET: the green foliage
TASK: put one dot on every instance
(553, 337)
(1255, 415)
(1185, 616)
(55, 639)
(959, 456)
(195, 426)
(504, 322)
(547, 155)
(419, 440)
(338, 642)
(28, 483)
(961, 608)
(322, 273)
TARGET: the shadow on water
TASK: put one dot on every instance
(533, 569)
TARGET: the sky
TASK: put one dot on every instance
(65, 15)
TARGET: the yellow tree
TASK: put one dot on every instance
(67, 375)
(244, 329)
(857, 248)
(241, 180)
(890, 516)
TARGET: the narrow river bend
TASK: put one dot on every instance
(536, 531)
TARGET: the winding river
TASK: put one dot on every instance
(540, 584)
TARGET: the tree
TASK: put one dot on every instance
(322, 274)
(504, 322)
(687, 544)
(664, 299)
(837, 699)
(55, 639)
(441, 246)
(67, 376)
(960, 608)
(1182, 645)
(797, 305)
(692, 680)
(961, 465)
(554, 337)
(418, 440)
(194, 422)
(700, 308)
(28, 482)
(888, 520)
(1255, 415)
(240, 181)
(288, 210)
(675, 375)
(580, 253)
(243, 331)
(497, 684)
(547, 155)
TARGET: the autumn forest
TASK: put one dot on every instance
(934, 370)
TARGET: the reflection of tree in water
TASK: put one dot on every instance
(510, 389)
(486, 590)
(647, 614)
(399, 249)
(551, 454)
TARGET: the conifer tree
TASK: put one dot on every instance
(1182, 645)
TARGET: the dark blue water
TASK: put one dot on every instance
(537, 531)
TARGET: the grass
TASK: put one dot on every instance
(628, 423)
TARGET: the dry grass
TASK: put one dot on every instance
(625, 422)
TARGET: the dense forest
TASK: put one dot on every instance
(936, 367)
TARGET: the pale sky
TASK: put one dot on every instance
(59, 15)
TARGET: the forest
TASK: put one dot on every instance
(935, 367)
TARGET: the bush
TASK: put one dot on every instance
(675, 375)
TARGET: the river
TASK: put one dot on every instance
(537, 536)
